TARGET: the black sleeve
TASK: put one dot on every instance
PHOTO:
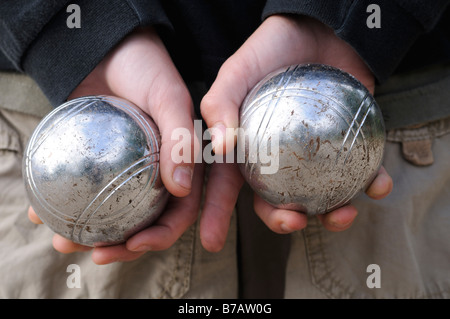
(35, 37)
(402, 22)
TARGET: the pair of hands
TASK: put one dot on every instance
(141, 71)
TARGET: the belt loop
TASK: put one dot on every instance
(418, 152)
(417, 140)
(416, 143)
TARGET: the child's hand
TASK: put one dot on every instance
(140, 70)
(279, 41)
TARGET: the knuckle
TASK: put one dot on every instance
(207, 106)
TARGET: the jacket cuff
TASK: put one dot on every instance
(61, 57)
(381, 49)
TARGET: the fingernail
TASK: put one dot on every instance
(142, 248)
(285, 228)
(339, 224)
(183, 176)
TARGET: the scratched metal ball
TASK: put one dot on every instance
(91, 170)
(312, 138)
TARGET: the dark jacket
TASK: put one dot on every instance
(201, 34)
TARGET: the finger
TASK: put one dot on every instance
(381, 186)
(90, 86)
(339, 219)
(100, 255)
(66, 246)
(222, 190)
(180, 213)
(33, 217)
(281, 221)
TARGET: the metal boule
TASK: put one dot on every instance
(91, 170)
(323, 130)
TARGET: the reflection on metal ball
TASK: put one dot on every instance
(330, 138)
(91, 170)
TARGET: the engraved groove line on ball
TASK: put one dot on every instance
(150, 165)
(37, 142)
(124, 211)
(272, 106)
(356, 182)
(351, 128)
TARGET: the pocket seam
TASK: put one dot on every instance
(327, 282)
(178, 268)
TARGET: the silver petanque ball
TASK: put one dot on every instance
(91, 170)
(312, 138)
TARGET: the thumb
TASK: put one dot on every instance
(220, 106)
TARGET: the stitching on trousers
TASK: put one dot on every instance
(167, 291)
(188, 264)
(327, 282)
(167, 288)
